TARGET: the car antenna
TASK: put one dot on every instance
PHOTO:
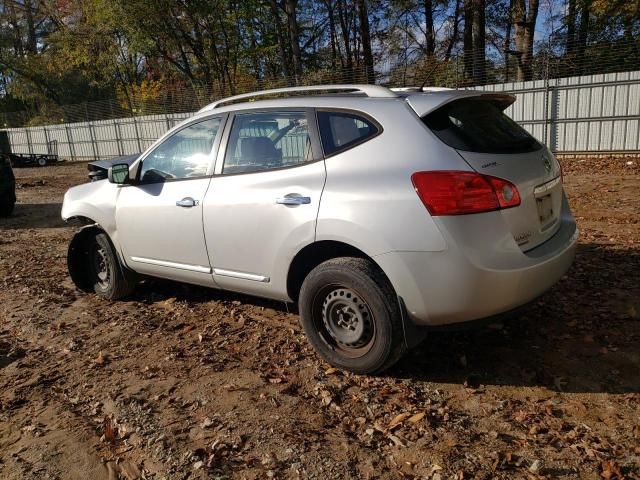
(427, 77)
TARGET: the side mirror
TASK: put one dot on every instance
(118, 173)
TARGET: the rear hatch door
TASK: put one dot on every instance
(493, 144)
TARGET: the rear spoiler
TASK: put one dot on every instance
(424, 103)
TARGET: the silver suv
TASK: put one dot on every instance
(377, 211)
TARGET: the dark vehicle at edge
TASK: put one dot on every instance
(7, 179)
(7, 187)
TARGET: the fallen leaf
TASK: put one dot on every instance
(102, 358)
(110, 432)
(536, 466)
(611, 470)
(417, 417)
(397, 420)
(398, 442)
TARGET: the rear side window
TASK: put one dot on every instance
(340, 130)
(479, 125)
(267, 140)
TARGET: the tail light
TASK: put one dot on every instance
(561, 173)
(461, 193)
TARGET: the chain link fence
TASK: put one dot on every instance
(582, 102)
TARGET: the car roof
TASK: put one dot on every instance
(421, 99)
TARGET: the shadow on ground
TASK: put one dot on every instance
(582, 336)
(33, 215)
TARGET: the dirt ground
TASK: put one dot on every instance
(183, 382)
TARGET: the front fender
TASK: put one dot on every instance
(95, 201)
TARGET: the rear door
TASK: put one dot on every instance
(262, 204)
(493, 144)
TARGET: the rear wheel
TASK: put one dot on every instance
(94, 266)
(42, 162)
(351, 315)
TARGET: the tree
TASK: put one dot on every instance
(363, 18)
(149, 54)
(524, 19)
(479, 44)
(430, 37)
(468, 38)
(453, 39)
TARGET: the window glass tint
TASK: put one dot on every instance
(340, 130)
(266, 140)
(184, 154)
(479, 125)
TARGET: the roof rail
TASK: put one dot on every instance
(419, 89)
(374, 91)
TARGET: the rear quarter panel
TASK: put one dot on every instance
(369, 200)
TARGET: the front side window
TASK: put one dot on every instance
(340, 130)
(185, 154)
(267, 140)
(479, 125)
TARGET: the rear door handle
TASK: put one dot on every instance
(293, 200)
(187, 202)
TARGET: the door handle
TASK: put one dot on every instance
(187, 202)
(293, 200)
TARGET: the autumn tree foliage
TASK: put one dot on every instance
(56, 52)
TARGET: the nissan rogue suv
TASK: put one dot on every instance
(377, 211)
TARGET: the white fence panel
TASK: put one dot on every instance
(595, 113)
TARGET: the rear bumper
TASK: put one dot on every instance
(482, 273)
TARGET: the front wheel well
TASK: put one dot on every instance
(77, 257)
(80, 220)
(313, 255)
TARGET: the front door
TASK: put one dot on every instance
(262, 204)
(159, 218)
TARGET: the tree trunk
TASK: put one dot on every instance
(332, 33)
(583, 31)
(346, 39)
(430, 38)
(32, 41)
(365, 35)
(507, 41)
(294, 36)
(570, 20)
(468, 38)
(255, 61)
(454, 34)
(525, 22)
(479, 63)
(282, 46)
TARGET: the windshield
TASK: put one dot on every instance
(478, 124)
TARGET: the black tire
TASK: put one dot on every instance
(351, 315)
(7, 204)
(94, 266)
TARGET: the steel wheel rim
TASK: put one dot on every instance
(344, 321)
(100, 264)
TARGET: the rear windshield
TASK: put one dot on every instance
(479, 125)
